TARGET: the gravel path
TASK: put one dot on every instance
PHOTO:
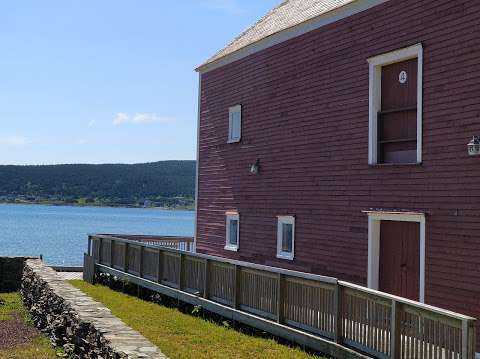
(15, 331)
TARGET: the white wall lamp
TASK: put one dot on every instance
(474, 146)
(255, 168)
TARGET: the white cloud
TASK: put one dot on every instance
(14, 141)
(81, 141)
(122, 118)
(230, 6)
(91, 123)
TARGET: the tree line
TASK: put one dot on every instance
(165, 183)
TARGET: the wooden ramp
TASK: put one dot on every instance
(319, 312)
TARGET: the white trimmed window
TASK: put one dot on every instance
(235, 124)
(395, 107)
(233, 231)
(286, 237)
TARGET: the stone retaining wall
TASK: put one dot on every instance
(83, 327)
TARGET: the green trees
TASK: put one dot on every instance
(156, 183)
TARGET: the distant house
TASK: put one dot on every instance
(333, 139)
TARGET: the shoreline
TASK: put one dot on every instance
(91, 205)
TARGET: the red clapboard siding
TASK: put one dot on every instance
(305, 116)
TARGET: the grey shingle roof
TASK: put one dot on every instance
(287, 14)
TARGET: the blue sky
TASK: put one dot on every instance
(88, 81)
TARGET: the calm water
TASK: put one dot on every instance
(60, 233)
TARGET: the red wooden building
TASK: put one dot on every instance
(333, 139)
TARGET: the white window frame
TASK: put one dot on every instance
(232, 216)
(231, 111)
(374, 220)
(280, 221)
(375, 94)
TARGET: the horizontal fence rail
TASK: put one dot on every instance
(375, 323)
(174, 242)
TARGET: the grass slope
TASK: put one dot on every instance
(38, 347)
(181, 335)
(11, 303)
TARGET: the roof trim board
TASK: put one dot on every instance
(317, 22)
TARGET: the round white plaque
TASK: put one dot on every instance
(402, 77)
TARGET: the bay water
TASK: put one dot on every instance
(60, 233)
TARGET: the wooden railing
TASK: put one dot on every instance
(375, 323)
(174, 242)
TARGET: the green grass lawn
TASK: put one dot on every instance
(36, 347)
(180, 335)
(11, 303)
(39, 348)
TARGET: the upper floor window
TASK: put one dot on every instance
(286, 237)
(395, 116)
(235, 124)
(233, 231)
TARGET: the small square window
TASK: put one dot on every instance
(286, 237)
(235, 124)
(232, 231)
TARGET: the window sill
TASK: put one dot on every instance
(288, 257)
(233, 141)
(410, 164)
(231, 248)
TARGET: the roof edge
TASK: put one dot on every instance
(302, 28)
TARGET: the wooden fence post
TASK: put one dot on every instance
(112, 242)
(468, 339)
(125, 256)
(236, 287)
(181, 271)
(338, 329)
(206, 276)
(472, 339)
(96, 249)
(88, 268)
(100, 251)
(140, 269)
(395, 329)
(159, 269)
(280, 297)
(89, 249)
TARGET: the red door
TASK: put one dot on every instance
(399, 271)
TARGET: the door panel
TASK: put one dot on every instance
(399, 270)
(398, 94)
(397, 119)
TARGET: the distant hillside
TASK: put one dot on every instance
(168, 183)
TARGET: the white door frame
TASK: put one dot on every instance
(374, 219)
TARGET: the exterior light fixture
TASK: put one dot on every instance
(474, 146)
(255, 168)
